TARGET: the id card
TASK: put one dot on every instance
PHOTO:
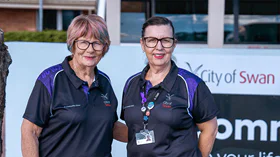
(145, 137)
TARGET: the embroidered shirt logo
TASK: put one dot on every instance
(168, 97)
(167, 103)
(106, 99)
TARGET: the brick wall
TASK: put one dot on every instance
(17, 19)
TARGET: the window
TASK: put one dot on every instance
(68, 16)
(257, 22)
(49, 19)
(189, 17)
(132, 19)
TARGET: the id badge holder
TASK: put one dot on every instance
(145, 137)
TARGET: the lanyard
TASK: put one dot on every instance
(147, 107)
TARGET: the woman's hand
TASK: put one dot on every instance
(207, 136)
(120, 132)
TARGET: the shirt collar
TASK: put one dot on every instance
(168, 81)
(75, 80)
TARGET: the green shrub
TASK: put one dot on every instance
(44, 36)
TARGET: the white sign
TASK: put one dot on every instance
(234, 73)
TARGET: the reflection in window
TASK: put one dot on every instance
(189, 27)
(259, 24)
(131, 26)
(132, 19)
(190, 18)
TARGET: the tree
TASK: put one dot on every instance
(5, 61)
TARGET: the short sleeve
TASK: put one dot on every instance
(113, 97)
(122, 111)
(38, 106)
(205, 107)
(128, 84)
(125, 89)
(115, 114)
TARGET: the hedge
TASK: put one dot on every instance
(44, 36)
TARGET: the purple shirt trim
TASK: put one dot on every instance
(106, 76)
(128, 81)
(192, 81)
(85, 88)
(148, 86)
(47, 77)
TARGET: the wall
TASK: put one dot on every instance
(227, 72)
(17, 19)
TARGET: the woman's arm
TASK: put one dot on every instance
(120, 132)
(207, 136)
(29, 139)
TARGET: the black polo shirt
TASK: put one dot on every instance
(77, 121)
(184, 100)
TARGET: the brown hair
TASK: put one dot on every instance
(157, 20)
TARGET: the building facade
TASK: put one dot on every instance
(23, 15)
(203, 23)
(198, 23)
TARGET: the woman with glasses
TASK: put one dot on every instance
(164, 105)
(72, 109)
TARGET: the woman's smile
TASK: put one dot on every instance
(89, 58)
(159, 55)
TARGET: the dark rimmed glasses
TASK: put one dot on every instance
(83, 45)
(152, 42)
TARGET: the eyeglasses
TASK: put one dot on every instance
(152, 42)
(83, 45)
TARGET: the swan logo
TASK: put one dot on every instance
(168, 97)
(194, 70)
(105, 99)
(167, 103)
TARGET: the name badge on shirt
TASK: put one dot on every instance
(145, 137)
